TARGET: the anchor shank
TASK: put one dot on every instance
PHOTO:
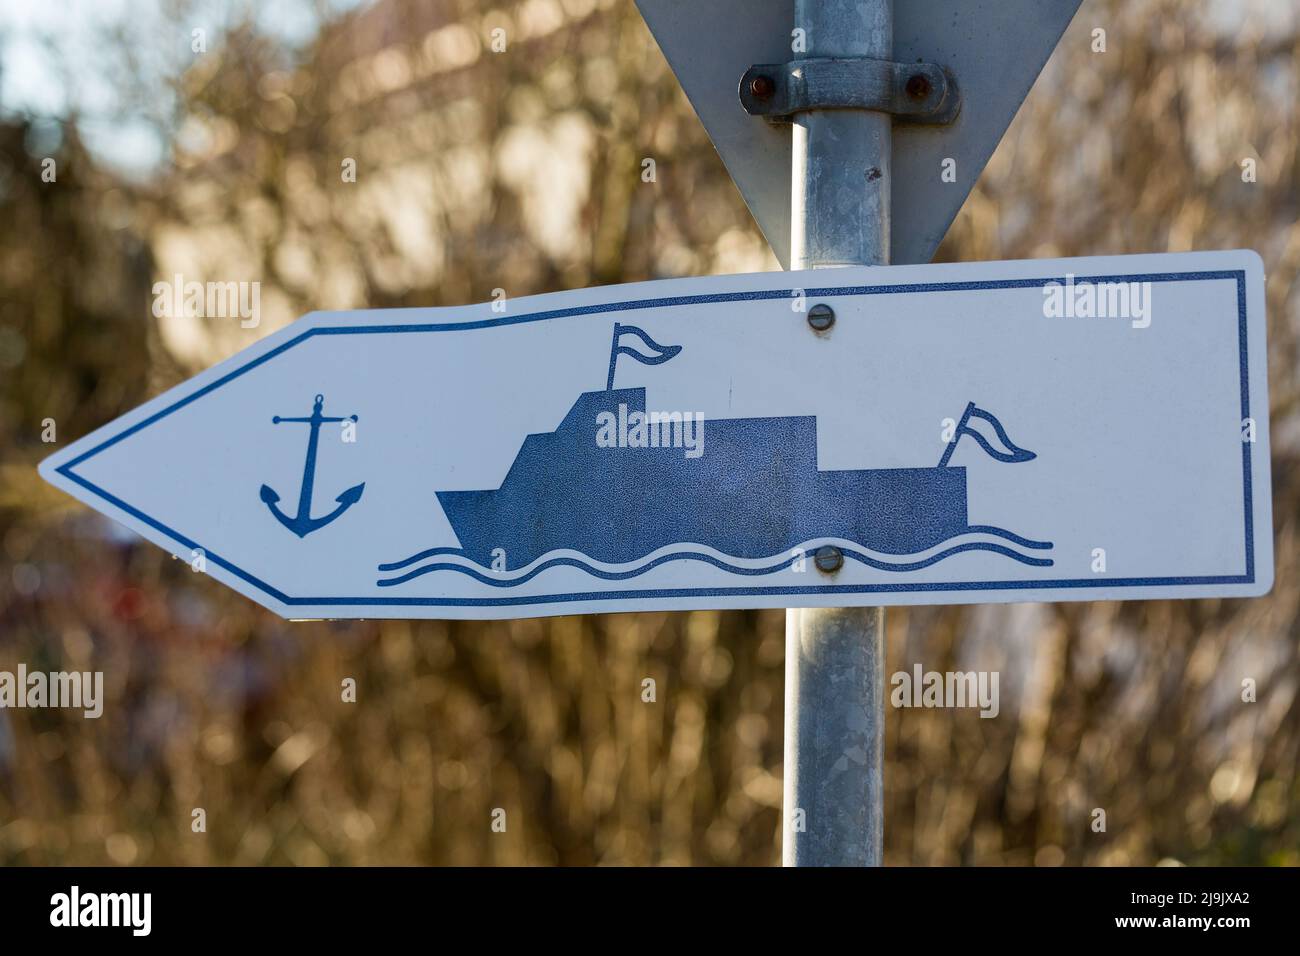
(309, 469)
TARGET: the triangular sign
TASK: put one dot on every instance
(994, 49)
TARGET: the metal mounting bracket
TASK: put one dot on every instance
(911, 92)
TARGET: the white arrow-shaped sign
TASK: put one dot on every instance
(1049, 430)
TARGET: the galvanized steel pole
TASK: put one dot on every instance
(835, 657)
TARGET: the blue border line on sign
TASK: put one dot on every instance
(1248, 578)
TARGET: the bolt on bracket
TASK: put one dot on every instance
(910, 92)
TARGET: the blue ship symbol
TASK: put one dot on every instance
(748, 503)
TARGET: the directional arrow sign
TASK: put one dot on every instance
(1047, 430)
(993, 48)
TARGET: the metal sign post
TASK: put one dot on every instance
(835, 657)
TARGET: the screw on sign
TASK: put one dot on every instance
(821, 317)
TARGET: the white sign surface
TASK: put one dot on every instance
(1008, 431)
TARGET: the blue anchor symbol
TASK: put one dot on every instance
(303, 524)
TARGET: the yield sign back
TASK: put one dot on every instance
(1003, 431)
(994, 48)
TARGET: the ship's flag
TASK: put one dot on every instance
(1002, 447)
(659, 353)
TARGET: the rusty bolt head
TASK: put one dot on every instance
(762, 86)
(821, 317)
(918, 86)
(829, 558)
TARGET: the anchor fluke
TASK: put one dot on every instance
(269, 495)
(349, 497)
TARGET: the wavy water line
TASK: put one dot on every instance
(1009, 535)
(838, 542)
(523, 575)
(431, 552)
(807, 547)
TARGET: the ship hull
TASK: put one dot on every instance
(754, 492)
